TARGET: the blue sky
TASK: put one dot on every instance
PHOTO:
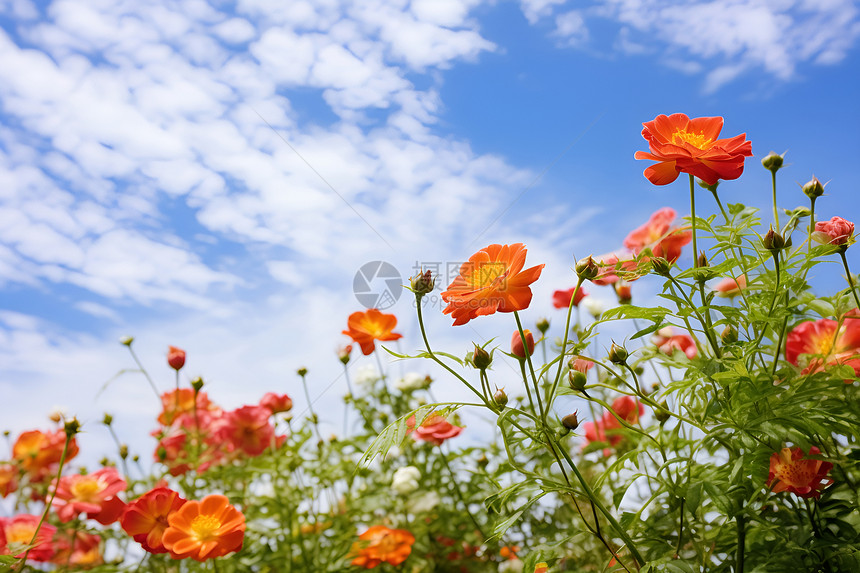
(211, 175)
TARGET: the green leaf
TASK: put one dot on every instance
(395, 433)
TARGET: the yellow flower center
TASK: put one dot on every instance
(697, 140)
(204, 526)
(19, 533)
(487, 274)
(387, 544)
(87, 490)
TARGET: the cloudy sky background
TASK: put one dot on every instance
(212, 174)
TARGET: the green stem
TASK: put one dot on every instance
(693, 220)
(314, 419)
(775, 211)
(531, 366)
(848, 275)
(456, 487)
(144, 372)
(811, 223)
(741, 549)
(564, 342)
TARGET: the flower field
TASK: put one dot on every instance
(719, 432)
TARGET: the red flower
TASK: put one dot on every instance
(175, 357)
(84, 550)
(78, 494)
(561, 298)
(178, 402)
(836, 231)
(608, 429)
(204, 529)
(434, 429)
(247, 429)
(493, 280)
(825, 342)
(517, 348)
(365, 327)
(729, 287)
(17, 532)
(145, 519)
(380, 544)
(683, 145)
(658, 234)
(276, 403)
(802, 477)
(668, 343)
(615, 266)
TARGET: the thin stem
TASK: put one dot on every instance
(848, 276)
(693, 220)
(531, 366)
(144, 372)
(775, 211)
(811, 223)
(314, 419)
(455, 486)
(741, 549)
(564, 342)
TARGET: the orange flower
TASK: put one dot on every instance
(658, 234)
(434, 429)
(380, 544)
(729, 287)
(204, 529)
(683, 145)
(825, 342)
(17, 532)
(517, 348)
(541, 567)
(247, 429)
(145, 519)
(178, 402)
(175, 357)
(365, 327)
(8, 478)
(492, 280)
(83, 550)
(40, 452)
(802, 477)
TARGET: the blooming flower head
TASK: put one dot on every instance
(729, 287)
(517, 348)
(247, 429)
(380, 544)
(366, 327)
(608, 429)
(613, 267)
(178, 402)
(541, 567)
(204, 529)
(82, 550)
(683, 145)
(668, 342)
(818, 343)
(434, 429)
(836, 231)
(276, 403)
(86, 493)
(8, 478)
(561, 298)
(660, 236)
(493, 280)
(145, 519)
(175, 357)
(789, 471)
(17, 532)
(38, 453)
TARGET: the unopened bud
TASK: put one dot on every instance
(661, 266)
(126, 340)
(617, 354)
(72, 427)
(624, 292)
(483, 461)
(302, 371)
(571, 422)
(662, 412)
(197, 384)
(423, 283)
(729, 334)
(577, 380)
(104, 462)
(500, 398)
(481, 358)
(773, 241)
(542, 325)
(343, 353)
(701, 260)
(135, 458)
(814, 189)
(772, 162)
(587, 269)
(107, 420)
(123, 451)
(709, 187)
(520, 350)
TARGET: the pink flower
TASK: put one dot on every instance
(668, 342)
(517, 348)
(611, 264)
(660, 236)
(86, 493)
(276, 403)
(175, 357)
(729, 287)
(836, 231)
(561, 298)
(582, 365)
(16, 533)
(435, 429)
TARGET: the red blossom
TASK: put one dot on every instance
(561, 298)
(836, 231)
(789, 471)
(658, 234)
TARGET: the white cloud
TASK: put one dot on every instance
(571, 27)
(534, 10)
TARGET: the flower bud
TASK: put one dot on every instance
(500, 398)
(175, 358)
(623, 290)
(729, 334)
(773, 241)
(517, 348)
(107, 420)
(483, 461)
(702, 261)
(587, 269)
(813, 189)
(571, 422)
(302, 371)
(423, 283)
(577, 380)
(618, 354)
(126, 340)
(197, 384)
(72, 427)
(542, 325)
(344, 352)
(123, 451)
(711, 188)
(772, 162)
(481, 358)
(661, 266)
(662, 413)
(135, 458)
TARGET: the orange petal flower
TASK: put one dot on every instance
(204, 529)
(40, 452)
(492, 280)
(380, 544)
(145, 519)
(826, 342)
(541, 567)
(802, 477)
(658, 234)
(517, 348)
(729, 287)
(365, 327)
(683, 145)
(17, 532)
(434, 429)
(8, 478)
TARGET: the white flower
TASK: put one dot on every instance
(594, 306)
(511, 566)
(366, 376)
(412, 381)
(406, 480)
(424, 502)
